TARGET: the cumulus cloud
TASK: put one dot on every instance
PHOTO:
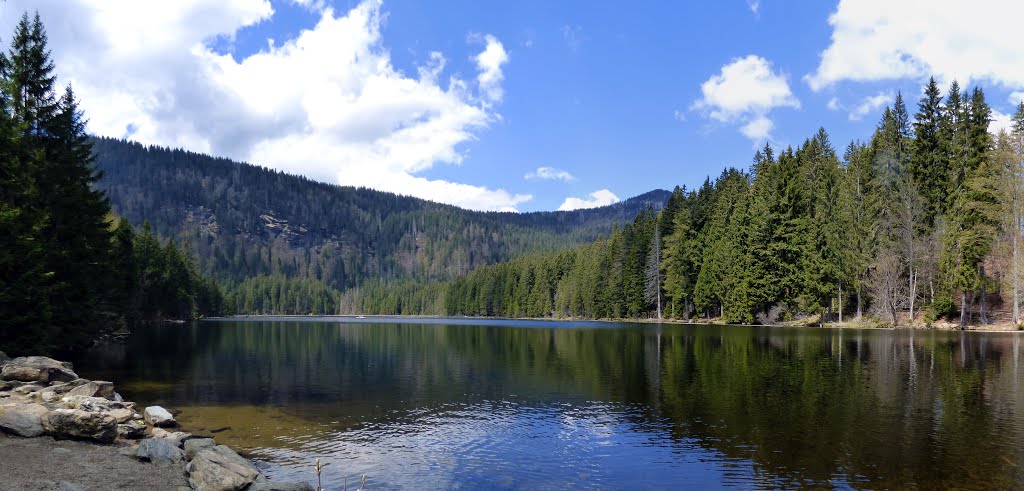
(1000, 122)
(489, 63)
(867, 106)
(758, 129)
(550, 174)
(601, 197)
(328, 104)
(870, 105)
(1016, 98)
(744, 92)
(876, 40)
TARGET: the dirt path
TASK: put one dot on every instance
(44, 463)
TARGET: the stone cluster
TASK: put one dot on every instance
(42, 396)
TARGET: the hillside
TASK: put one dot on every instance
(243, 221)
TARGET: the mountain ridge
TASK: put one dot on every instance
(243, 220)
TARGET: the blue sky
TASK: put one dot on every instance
(526, 105)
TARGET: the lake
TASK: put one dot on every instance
(487, 404)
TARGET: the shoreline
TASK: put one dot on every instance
(60, 431)
(939, 326)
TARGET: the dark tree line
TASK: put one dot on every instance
(61, 279)
(281, 295)
(921, 222)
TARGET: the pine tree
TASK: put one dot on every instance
(1015, 180)
(860, 208)
(973, 218)
(652, 286)
(929, 162)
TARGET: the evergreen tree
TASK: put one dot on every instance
(860, 209)
(973, 218)
(929, 161)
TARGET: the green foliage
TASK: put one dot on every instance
(280, 295)
(909, 217)
(244, 221)
(66, 276)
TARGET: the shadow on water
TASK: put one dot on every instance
(509, 405)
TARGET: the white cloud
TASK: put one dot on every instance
(1000, 122)
(758, 129)
(679, 116)
(871, 104)
(328, 104)
(1016, 98)
(551, 174)
(313, 5)
(601, 197)
(834, 104)
(744, 92)
(489, 63)
(884, 40)
(754, 5)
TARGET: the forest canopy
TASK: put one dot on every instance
(920, 222)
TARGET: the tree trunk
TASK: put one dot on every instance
(913, 292)
(860, 305)
(1016, 275)
(840, 300)
(963, 309)
(982, 318)
(659, 300)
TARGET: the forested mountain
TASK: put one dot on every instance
(244, 221)
(921, 222)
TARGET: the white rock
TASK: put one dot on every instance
(159, 417)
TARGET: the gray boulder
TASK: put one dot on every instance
(265, 485)
(158, 451)
(220, 469)
(122, 415)
(65, 387)
(132, 430)
(96, 388)
(176, 438)
(4, 358)
(80, 424)
(159, 417)
(196, 445)
(93, 404)
(37, 369)
(22, 419)
(27, 389)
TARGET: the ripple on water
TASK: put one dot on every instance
(502, 445)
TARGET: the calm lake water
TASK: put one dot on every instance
(475, 404)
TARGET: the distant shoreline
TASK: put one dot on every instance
(945, 327)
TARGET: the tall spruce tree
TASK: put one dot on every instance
(860, 207)
(973, 217)
(929, 163)
(51, 161)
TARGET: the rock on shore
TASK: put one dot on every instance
(42, 396)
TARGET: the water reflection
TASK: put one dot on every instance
(466, 404)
